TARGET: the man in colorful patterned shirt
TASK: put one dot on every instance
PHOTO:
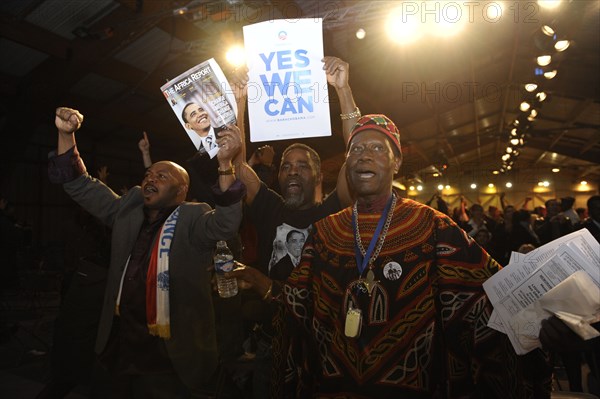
(388, 294)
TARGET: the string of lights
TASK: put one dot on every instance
(548, 41)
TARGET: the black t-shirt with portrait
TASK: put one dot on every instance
(268, 212)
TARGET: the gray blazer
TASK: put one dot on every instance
(192, 347)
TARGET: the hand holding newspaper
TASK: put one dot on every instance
(516, 290)
(203, 101)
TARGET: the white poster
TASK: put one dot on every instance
(287, 88)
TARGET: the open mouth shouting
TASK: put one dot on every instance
(364, 174)
(149, 190)
(293, 186)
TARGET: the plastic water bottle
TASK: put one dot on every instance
(227, 287)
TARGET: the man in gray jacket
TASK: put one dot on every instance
(157, 329)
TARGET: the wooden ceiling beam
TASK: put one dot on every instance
(541, 144)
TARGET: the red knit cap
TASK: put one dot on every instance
(380, 123)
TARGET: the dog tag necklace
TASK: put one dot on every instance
(364, 258)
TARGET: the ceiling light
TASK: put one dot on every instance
(360, 34)
(513, 132)
(555, 170)
(491, 185)
(447, 187)
(440, 187)
(446, 28)
(547, 30)
(515, 153)
(402, 28)
(502, 170)
(509, 150)
(508, 184)
(411, 188)
(493, 11)
(541, 96)
(473, 186)
(508, 167)
(419, 188)
(447, 22)
(550, 74)
(545, 39)
(180, 11)
(505, 157)
(544, 60)
(549, 4)
(532, 115)
(236, 56)
(562, 45)
(514, 141)
(495, 172)
(524, 106)
(583, 183)
(530, 87)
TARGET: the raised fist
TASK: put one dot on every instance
(68, 120)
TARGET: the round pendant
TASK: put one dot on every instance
(392, 271)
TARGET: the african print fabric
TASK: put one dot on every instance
(424, 325)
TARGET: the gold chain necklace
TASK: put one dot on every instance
(381, 239)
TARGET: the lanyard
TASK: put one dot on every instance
(361, 262)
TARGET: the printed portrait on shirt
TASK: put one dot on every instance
(288, 242)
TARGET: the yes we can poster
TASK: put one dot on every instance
(287, 89)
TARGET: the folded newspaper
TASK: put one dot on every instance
(521, 292)
(204, 103)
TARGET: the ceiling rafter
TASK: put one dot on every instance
(475, 113)
(29, 35)
(588, 171)
(589, 145)
(510, 77)
(541, 144)
(575, 113)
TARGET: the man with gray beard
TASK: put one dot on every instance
(273, 217)
(297, 208)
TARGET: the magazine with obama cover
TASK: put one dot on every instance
(206, 89)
